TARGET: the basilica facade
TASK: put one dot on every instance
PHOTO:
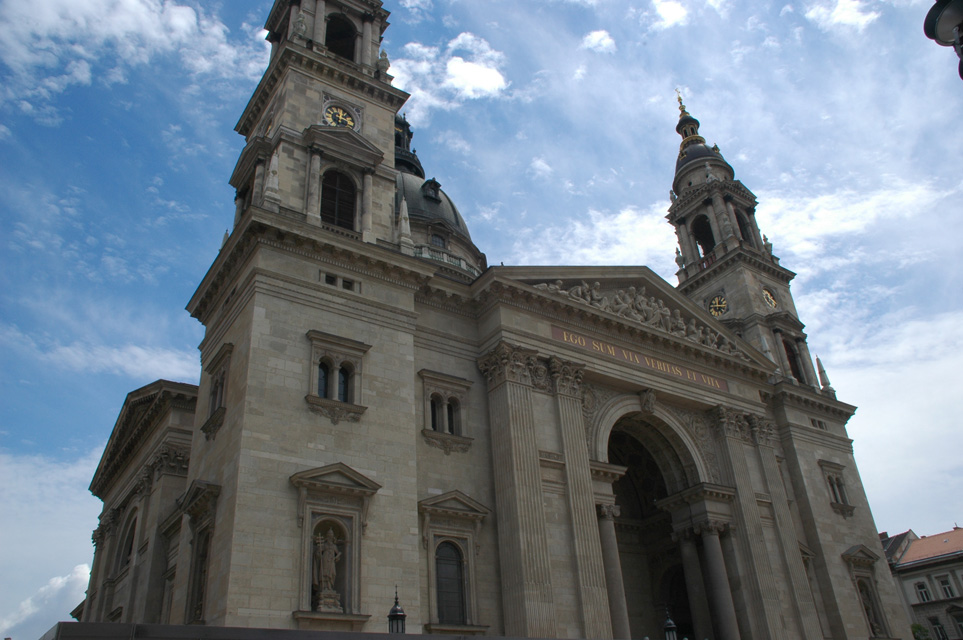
(552, 452)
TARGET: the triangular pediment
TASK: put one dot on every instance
(335, 478)
(454, 503)
(343, 143)
(638, 298)
(860, 555)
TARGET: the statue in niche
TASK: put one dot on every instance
(325, 572)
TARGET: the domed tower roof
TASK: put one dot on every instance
(693, 151)
(430, 225)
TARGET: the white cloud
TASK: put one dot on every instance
(599, 41)
(540, 168)
(418, 9)
(136, 361)
(4, 132)
(453, 140)
(46, 526)
(671, 13)
(467, 69)
(841, 13)
(629, 236)
(50, 45)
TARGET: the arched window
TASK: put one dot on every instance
(745, 230)
(453, 415)
(127, 549)
(338, 197)
(436, 415)
(702, 231)
(344, 383)
(450, 584)
(794, 367)
(340, 36)
(324, 372)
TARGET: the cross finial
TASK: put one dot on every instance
(678, 95)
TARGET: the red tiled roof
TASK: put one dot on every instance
(933, 546)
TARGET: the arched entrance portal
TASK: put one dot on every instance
(652, 570)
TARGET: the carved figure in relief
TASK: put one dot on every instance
(677, 324)
(665, 316)
(767, 244)
(551, 287)
(679, 260)
(581, 292)
(595, 297)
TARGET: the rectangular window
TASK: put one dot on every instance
(938, 631)
(946, 587)
(922, 592)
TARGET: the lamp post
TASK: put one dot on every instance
(396, 617)
(669, 627)
(944, 24)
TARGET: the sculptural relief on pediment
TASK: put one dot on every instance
(636, 306)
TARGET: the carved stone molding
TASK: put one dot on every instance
(507, 363)
(763, 430)
(447, 442)
(717, 527)
(566, 376)
(200, 501)
(845, 510)
(647, 398)
(697, 426)
(608, 511)
(732, 423)
(593, 399)
(335, 410)
(213, 424)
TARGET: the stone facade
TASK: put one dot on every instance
(523, 451)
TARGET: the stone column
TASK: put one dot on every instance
(806, 362)
(589, 567)
(366, 21)
(780, 354)
(618, 609)
(694, 583)
(713, 224)
(527, 598)
(238, 207)
(295, 11)
(258, 182)
(366, 213)
(320, 21)
(313, 205)
(717, 580)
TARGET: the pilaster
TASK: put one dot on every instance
(589, 567)
(529, 607)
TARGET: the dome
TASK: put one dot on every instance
(427, 203)
(694, 152)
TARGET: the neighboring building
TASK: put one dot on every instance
(929, 574)
(524, 451)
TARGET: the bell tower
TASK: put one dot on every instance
(320, 126)
(725, 263)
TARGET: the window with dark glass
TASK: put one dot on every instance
(436, 421)
(323, 372)
(340, 36)
(438, 240)
(451, 586)
(922, 592)
(344, 384)
(702, 230)
(794, 367)
(338, 197)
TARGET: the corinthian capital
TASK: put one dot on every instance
(567, 376)
(507, 363)
(608, 511)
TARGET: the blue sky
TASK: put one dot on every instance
(551, 125)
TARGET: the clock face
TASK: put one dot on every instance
(769, 298)
(338, 117)
(718, 306)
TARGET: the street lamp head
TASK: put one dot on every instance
(396, 617)
(942, 19)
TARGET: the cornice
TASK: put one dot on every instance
(263, 228)
(683, 203)
(731, 260)
(133, 427)
(334, 70)
(801, 398)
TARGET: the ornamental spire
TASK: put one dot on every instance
(688, 127)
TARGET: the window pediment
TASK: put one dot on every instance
(860, 556)
(454, 504)
(344, 143)
(334, 480)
